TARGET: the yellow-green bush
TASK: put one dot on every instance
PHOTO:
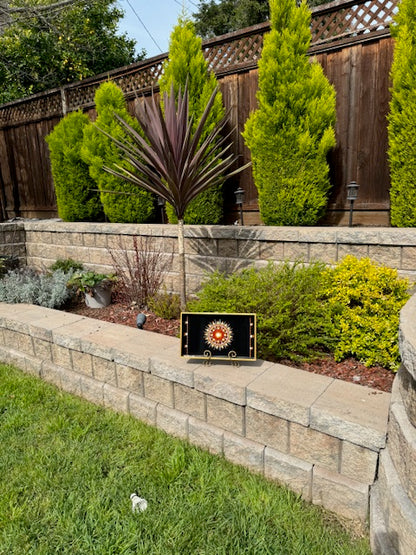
(365, 300)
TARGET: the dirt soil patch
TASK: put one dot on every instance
(349, 370)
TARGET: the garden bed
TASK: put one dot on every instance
(349, 370)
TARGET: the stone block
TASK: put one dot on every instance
(339, 494)
(10, 356)
(296, 251)
(201, 246)
(104, 370)
(314, 447)
(70, 334)
(407, 386)
(227, 248)
(142, 409)
(11, 338)
(92, 390)
(61, 356)
(25, 344)
(359, 251)
(205, 436)
(171, 366)
(33, 365)
(71, 382)
(190, 401)
(352, 412)
(402, 521)
(268, 429)
(244, 452)
(225, 415)
(408, 258)
(158, 389)
(294, 473)
(248, 249)
(271, 251)
(324, 252)
(115, 398)
(172, 421)
(43, 349)
(51, 373)
(385, 255)
(358, 462)
(402, 448)
(286, 392)
(201, 265)
(226, 382)
(130, 379)
(81, 363)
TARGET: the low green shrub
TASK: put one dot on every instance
(27, 286)
(166, 305)
(66, 265)
(293, 321)
(365, 301)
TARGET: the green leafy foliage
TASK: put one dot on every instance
(66, 265)
(292, 320)
(45, 47)
(291, 132)
(122, 203)
(74, 188)
(365, 301)
(402, 119)
(350, 310)
(186, 65)
(166, 305)
(27, 286)
(86, 281)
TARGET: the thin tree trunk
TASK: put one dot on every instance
(182, 273)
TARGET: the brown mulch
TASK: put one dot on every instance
(349, 370)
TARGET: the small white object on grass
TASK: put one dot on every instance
(138, 504)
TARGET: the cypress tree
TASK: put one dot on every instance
(186, 64)
(98, 150)
(291, 132)
(402, 119)
(75, 197)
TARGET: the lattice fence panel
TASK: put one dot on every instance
(49, 105)
(352, 20)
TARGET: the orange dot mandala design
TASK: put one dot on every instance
(218, 334)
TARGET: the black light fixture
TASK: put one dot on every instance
(352, 193)
(239, 199)
(161, 203)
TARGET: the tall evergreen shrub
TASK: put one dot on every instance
(75, 197)
(186, 64)
(137, 206)
(402, 118)
(291, 132)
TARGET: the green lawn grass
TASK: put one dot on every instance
(67, 469)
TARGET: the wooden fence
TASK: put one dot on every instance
(350, 39)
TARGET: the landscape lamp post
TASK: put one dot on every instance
(352, 193)
(161, 203)
(239, 199)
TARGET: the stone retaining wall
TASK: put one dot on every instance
(393, 498)
(209, 248)
(318, 435)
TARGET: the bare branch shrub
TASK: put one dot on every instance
(141, 270)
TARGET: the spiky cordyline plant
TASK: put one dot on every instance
(171, 161)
